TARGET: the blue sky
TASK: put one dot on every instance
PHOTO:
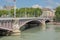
(30, 3)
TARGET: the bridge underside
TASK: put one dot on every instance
(5, 27)
(30, 24)
(5, 32)
(47, 21)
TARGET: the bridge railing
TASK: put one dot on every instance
(6, 24)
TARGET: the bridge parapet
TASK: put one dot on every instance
(6, 24)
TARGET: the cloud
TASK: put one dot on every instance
(37, 6)
(48, 7)
(1, 7)
(52, 3)
(57, 3)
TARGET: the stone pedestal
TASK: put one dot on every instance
(43, 25)
(43, 22)
(16, 32)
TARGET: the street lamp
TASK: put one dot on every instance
(14, 8)
(25, 13)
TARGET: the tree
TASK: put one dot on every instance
(57, 13)
(22, 12)
(29, 12)
(3, 12)
(38, 12)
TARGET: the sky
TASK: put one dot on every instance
(30, 3)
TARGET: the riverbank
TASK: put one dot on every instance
(55, 23)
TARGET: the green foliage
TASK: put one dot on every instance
(22, 12)
(57, 13)
(3, 12)
(30, 12)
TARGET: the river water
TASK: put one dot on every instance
(51, 32)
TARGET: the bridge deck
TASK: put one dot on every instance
(22, 18)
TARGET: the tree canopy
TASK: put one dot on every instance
(57, 13)
(29, 12)
(22, 12)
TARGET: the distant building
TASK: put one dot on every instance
(48, 12)
(8, 7)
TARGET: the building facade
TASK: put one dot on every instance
(8, 7)
(48, 12)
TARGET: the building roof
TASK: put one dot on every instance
(46, 9)
(8, 7)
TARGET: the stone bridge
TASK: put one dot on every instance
(11, 23)
(14, 24)
(19, 22)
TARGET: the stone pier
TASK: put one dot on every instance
(16, 30)
(43, 22)
(43, 25)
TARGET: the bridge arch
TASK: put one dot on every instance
(30, 24)
(47, 21)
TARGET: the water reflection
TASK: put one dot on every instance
(48, 32)
(38, 33)
(43, 27)
(57, 28)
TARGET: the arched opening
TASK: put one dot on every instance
(30, 24)
(47, 21)
(4, 32)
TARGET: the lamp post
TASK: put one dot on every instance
(25, 13)
(14, 8)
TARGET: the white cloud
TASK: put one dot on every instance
(52, 3)
(57, 3)
(1, 7)
(37, 6)
(48, 7)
